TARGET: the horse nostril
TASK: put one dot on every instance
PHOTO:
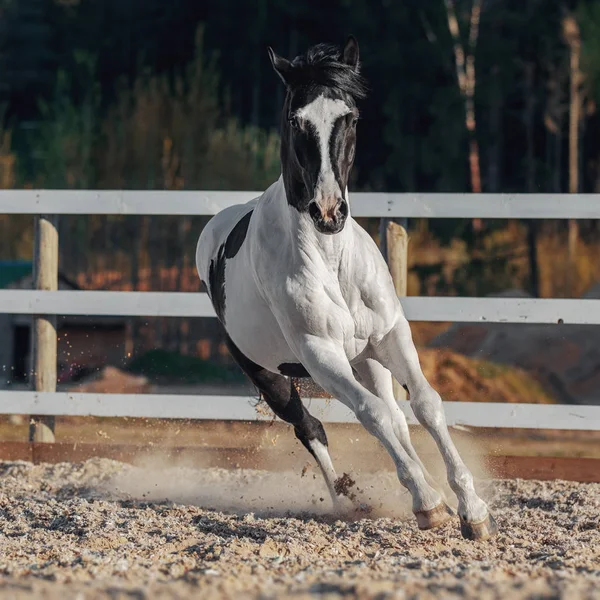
(332, 216)
(314, 211)
(340, 210)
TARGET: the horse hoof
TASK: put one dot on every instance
(479, 531)
(429, 519)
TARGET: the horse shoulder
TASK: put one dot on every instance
(302, 295)
(367, 265)
(370, 277)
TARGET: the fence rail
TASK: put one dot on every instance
(242, 408)
(176, 304)
(377, 205)
(186, 304)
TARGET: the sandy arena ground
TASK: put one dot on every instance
(102, 529)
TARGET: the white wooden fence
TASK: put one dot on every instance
(168, 304)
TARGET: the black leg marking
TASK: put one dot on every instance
(283, 398)
(312, 429)
(216, 271)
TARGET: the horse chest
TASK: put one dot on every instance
(366, 320)
(333, 307)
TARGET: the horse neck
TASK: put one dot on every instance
(306, 240)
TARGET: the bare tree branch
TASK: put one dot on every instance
(465, 74)
(459, 53)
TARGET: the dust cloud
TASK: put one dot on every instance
(242, 491)
(275, 493)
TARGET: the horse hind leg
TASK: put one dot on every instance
(284, 400)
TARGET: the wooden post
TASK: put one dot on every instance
(397, 256)
(44, 343)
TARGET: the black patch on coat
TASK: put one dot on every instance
(216, 282)
(237, 236)
(293, 370)
(342, 147)
(282, 396)
(216, 271)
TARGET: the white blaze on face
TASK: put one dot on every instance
(322, 113)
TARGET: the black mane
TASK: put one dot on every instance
(322, 65)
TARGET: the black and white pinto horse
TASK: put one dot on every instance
(302, 290)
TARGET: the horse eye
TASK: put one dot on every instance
(351, 119)
(294, 122)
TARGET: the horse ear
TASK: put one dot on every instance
(281, 65)
(350, 56)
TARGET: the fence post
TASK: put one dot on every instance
(397, 256)
(44, 342)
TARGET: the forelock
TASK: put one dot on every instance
(322, 66)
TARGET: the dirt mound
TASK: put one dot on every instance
(564, 358)
(111, 380)
(457, 377)
(91, 531)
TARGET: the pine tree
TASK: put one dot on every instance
(29, 58)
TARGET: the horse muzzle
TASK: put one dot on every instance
(329, 220)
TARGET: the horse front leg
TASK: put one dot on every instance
(282, 397)
(397, 352)
(328, 365)
(378, 380)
